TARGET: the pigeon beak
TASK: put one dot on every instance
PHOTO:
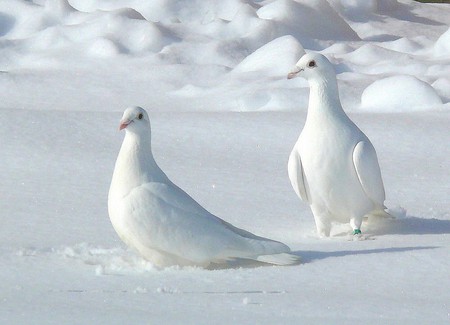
(123, 124)
(294, 73)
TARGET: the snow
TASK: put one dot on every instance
(382, 95)
(442, 47)
(209, 73)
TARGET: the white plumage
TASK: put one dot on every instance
(163, 223)
(333, 166)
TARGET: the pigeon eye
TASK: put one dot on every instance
(140, 116)
(312, 64)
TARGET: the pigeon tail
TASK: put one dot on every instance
(382, 213)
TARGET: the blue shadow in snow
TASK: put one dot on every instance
(7, 22)
(410, 226)
(310, 256)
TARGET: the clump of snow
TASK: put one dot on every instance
(400, 93)
(103, 47)
(140, 290)
(167, 290)
(274, 58)
(114, 261)
(442, 45)
(442, 86)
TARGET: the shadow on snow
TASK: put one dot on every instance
(310, 256)
(410, 226)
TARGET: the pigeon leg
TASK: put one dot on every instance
(323, 226)
(322, 220)
(356, 225)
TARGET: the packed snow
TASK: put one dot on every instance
(212, 75)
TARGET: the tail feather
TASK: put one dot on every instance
(391, 213)
(397, 212)
(279, 259)
(381, 213)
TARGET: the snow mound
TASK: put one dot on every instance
(399, 93)
(359, 6)
(307, 20)
(442, 45)
(209, 51)
(249, 28)
(402, 45)
(369, 54)
(275, 58)
(102, 47)
(188, 11)
(60, 8)
(126, 31)
(442, 86)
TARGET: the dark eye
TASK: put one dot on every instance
(140, 116)
(312, 64)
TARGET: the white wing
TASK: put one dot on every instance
(297, 176)
(165, 218)
(368, 171)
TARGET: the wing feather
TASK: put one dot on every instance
(297, 176)
(368, 171)
(181, 227)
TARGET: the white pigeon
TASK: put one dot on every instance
(333, 166)
(163, 223)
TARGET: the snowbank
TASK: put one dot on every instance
(399, 94)
(194, 55)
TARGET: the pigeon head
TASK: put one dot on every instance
(134, 119)
(313, 67)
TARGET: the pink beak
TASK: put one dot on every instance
(293, 74)
(123, 124)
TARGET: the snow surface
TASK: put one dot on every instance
(212, 75)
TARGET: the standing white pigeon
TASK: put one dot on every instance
(163, 223)
(333, 166)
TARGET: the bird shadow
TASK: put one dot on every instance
(375, 227)
(311, 256)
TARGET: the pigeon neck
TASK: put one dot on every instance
(324, 98)
(140, 146)
(136, 163)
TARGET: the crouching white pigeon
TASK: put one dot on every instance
(163, 223)
(333, 166)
